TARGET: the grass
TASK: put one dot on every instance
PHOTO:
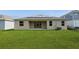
(39, 39)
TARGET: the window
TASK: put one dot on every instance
(21, 23)
(50, 23)
(62, 23)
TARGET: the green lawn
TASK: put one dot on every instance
(39, 39)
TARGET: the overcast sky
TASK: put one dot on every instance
(25, 13)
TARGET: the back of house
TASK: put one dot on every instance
(40, 22)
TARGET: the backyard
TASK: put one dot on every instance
(39, 39)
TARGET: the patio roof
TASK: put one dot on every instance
(40, 18)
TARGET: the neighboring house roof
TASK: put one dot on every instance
(71, 15)
(71, 12)
(39, 17)
(5, 17)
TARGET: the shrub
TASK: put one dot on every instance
(73, 28)
(58, 28)
(70, 28)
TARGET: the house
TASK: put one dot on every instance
(73, 18)
(6, 22)
(40, 22)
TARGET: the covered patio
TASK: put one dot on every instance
(38, 24)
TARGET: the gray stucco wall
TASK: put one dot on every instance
(16, 25)
(56, 24)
